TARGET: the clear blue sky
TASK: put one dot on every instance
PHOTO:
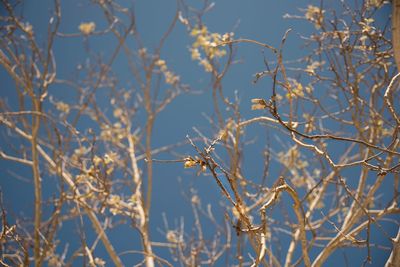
(261, 20)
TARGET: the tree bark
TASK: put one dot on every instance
(394, 258)
(396, 32)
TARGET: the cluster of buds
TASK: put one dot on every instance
(87, 28)
(170, 77)
(209, 44)
(315, 15)
(190, 162)
(258, 103)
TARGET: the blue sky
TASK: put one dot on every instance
(261, 20)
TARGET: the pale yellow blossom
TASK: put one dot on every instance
(296, 90)
(316, 15)
(195, 53)
(99, 262)
(310, 69)
(208, 44)
(97, 160)
(172, 236)
(28, 28)
(190, 163)
(160, 62)
(207, 66)
(170, 78)
(117, 112)
(63, 107)
(374, 3)
(258, 103)
(87, 27)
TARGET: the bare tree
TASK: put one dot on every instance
(330, 163)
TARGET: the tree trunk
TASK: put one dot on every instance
(396, 32)
(394, 258)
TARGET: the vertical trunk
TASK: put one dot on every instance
(394, 258)
(396, 32)
(37, 183)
